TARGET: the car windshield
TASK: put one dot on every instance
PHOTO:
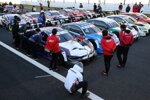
(91, 30)
(35, 15)
(113, 24)
(129, 20)
(54, 13)
(143, 16)
(65, 37)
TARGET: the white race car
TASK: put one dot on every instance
(75, 49)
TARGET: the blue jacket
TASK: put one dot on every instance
(36, 38)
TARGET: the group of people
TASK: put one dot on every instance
(74, 79)
(109, 47)
(136, 8)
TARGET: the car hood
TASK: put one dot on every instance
(75, 48)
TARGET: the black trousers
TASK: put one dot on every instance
(107, 60)
(83, 85)
(122, 54)
(17, 40)
(57, 58)
(32, 48)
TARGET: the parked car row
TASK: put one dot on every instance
(71, 28)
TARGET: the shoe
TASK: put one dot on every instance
(35, 58)
(119, 66)
(85, 95)
(104, 73)
(28, 55)
(17, 48)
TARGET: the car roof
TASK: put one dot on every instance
(80, 24)
(52, 11)
(106, 20)
(11, 15)
(33, 13)
(49, 29)
(121, 16)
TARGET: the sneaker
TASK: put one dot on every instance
(104, 73)
(35, 58)
(85, 95)
(119, 66)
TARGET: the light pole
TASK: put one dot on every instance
(124, 2)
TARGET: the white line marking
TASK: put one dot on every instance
(43, 76)
(92, 96)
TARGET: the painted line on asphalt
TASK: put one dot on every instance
(92, 96)
(43, 76)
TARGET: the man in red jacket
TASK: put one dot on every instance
(135, 8)
(108, 44)
(126, 40)
(52, 44)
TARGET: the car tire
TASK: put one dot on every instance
(10, 27)
(94, 44)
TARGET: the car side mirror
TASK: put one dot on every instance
(80, 38)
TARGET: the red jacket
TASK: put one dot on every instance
(126, 37)
(52, 44)
(108, 44)
(135, 8)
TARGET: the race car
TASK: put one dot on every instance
(139, 17)
(1, 14)
(34, 16)
(8, 8)
(69, 13)
(57, 16)
(7, 21)
(111, 25)
(74, 49)
(130, 22)
(89, 32)
(87, 13)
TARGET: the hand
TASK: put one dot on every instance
(111, 51)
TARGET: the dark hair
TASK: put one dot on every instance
(123, 27)
(105, 32)
(54, 31)
(37, 30)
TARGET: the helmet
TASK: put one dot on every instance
(79, 67)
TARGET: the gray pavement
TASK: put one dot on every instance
(18, 80)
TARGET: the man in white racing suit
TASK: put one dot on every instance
(74, 80)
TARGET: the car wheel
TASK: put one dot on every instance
(10, 27)
(94, 44)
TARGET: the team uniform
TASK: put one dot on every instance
(126, 40)
(108, 44)
(74, 80)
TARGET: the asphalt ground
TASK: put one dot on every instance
(19, 82)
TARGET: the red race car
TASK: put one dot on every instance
(139, 17)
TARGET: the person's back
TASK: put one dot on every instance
(52, 43)
(128, 8)
(126, 38)
(108, 44)
(72, 78)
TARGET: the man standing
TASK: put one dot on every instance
(48, 3)
(94, 7)
(52, 44)
(15, 31)
(128, 8)
(120, 7)
(135, 8)
(42, 19)
(126, 40)
(108, 44)
(74, 80)
(80, 6)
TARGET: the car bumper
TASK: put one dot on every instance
(86, 57)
